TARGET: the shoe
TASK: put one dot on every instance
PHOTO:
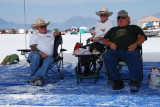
(134, 86)
(118, 84)
(37, 82)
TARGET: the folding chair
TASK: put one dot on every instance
(58, 60)
(121, 64)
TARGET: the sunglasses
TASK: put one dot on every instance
(43, 26)
(103, 15)
(120, 17)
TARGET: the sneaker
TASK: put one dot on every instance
(118, 84)
(134, 86)
(37, 82)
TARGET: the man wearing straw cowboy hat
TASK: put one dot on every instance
(41, 44)
(100, 30)
(102, 26)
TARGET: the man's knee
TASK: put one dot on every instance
(48, 60)
(36, 56)
(107, 56)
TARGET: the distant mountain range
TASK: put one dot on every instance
(76, 21)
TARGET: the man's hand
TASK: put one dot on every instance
(43, 55)
(132, 47)
(56, 33)
(98, 38)
(90, 39)
(113, 46)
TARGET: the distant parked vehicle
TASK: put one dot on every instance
(2, 32)
(151, 31)
(74, 30)
(63, 32)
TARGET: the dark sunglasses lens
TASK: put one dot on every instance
(102, 14)
(120, 17)
(42, 26)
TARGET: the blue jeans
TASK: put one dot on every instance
(38, 65)
(133, 60)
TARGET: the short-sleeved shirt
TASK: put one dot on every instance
(102, 28)
(124, 36)
(45, 42)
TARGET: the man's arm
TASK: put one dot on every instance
(140, 40)
(91, 38)
(34, 48)
(112, 45)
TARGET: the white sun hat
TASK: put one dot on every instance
(104, 10)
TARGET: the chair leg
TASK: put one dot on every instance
(54, 81)
(28, 81)
(61, 73)
(77, 81)
(59, 65)
(95, 81)
(108, 78)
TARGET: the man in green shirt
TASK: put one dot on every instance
(123, 41)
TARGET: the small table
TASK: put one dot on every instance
(94, 72)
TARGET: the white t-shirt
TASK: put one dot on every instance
(45, 42)
(102, 28)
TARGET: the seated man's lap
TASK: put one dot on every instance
(132, 58)
(98, 46)
(37, 61)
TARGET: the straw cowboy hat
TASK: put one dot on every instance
(103, 11)
(39, 22)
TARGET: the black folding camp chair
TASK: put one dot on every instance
(58, 60)
(122, 64)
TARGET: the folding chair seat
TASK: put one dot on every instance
(57, 66)
(122, 64)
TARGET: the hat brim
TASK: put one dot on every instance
(98, 13)
(36, 25)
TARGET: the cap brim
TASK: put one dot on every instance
(35, 25)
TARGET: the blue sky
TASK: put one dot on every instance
(61, 10)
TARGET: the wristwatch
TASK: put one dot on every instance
(136, 44)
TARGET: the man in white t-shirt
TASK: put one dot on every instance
(101, 28)
(42, 49)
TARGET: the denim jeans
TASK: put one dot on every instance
(133, 60)
(38, 65)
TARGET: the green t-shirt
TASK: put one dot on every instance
(124, 36)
